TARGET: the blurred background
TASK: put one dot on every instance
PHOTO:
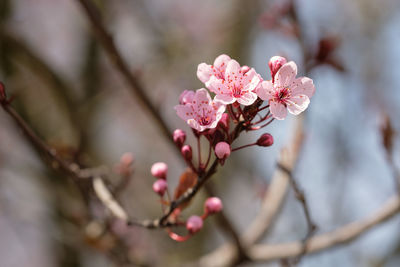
(67, 89)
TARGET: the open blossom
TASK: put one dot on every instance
(238, 85)
(287, 92)
(201, 112)
(205, 71)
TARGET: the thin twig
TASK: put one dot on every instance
(299, 194)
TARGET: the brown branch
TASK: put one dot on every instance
(299, 194)
(108, 44)
(60, 88)
(342, 235)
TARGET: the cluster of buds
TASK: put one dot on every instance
(159, 170)
(242, 101)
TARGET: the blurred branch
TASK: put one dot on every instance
(37, 65)
(320, 242)
(299, 194)
(119, 63)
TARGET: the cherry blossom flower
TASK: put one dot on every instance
(287, 93)
(205, 72)
(238, 85)
(201, 112)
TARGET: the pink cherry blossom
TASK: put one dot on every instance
(201, 113)
(287, 92)
(238, 85)
(205, 72)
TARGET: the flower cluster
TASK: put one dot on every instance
(242, 101)
(233, 84)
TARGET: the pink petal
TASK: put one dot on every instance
(247, 99)
(286, 74)
(251, 81)
(186, 97)
(232, 71)
(266, 90)
(278, 110)
(298, 104)
(224, 99)
(185, 112)
(195, 125)
(221, 62)
(218, 86)
(303, 86)
(204, 72)
(201, 96)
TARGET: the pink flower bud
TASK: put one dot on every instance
(224, 121)
(127, 159)
(222, 150)
(194, 224)
(3, 96)
(186, 152)
(179, 137)
(186, 97)
(265, 140)
(275, 63)
(213, 205)
(159, 170)
(245, 69)
(160, 186)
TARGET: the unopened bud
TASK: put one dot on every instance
(194, 224)
(275, 63)
(213, 205)
(265, 140)
(186, 97)
(127, 159)
(222, 150)
(245, 69)
(186, 152)
(159, 170)
(160, 186)
(179, 137)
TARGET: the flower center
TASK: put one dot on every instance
(283, 94)
(237, 91)
(203, 121)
